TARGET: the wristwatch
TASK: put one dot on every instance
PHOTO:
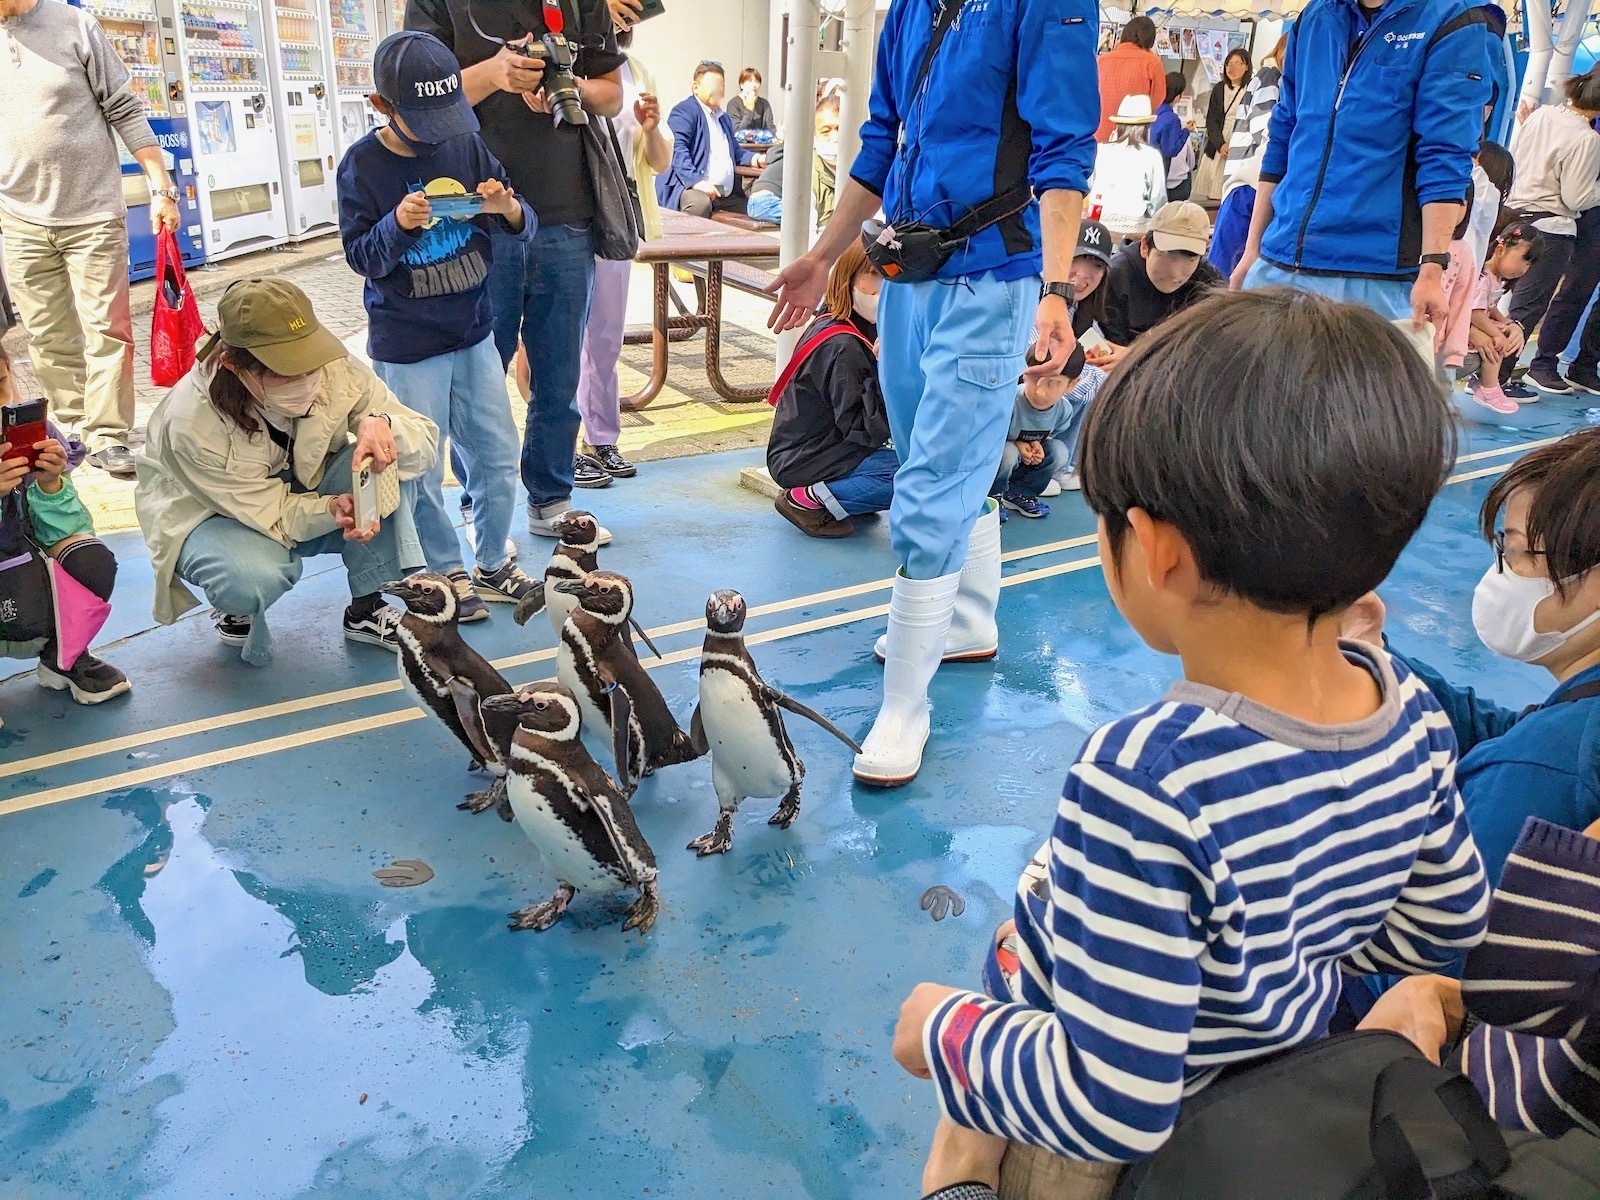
(166, 193)
(1441, 261)
(1067, 291)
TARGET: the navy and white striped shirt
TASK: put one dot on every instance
(1213, 863)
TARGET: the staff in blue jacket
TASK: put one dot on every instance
(1369, 152)
(972, 101)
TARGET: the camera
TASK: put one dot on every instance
(566, 103)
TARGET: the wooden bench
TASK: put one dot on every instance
(743, 221)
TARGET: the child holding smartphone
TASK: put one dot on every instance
(417, 202)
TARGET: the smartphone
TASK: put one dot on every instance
(650, 8)
(365, 492)
(22, 424)
(1092, 340)
(455, 206)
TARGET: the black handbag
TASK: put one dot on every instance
(618, 219)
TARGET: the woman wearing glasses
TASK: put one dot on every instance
(1538, 603)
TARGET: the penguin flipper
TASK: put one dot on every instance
(530, 605)
(622, 737)
(471, 717)
(811, 714)
(697, 733)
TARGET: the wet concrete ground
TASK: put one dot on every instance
(208, 994)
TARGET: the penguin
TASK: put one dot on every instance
(573, 558)
(450, 679)
(738, 721)
(596, 659)
(571, 809)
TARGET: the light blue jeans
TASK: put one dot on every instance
(1389, 298)
(464, 394)
(244, 573)
(949, 356)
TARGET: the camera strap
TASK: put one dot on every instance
(991, 212)
(943, 19)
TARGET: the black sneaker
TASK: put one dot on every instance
(1584, 379)
(91, 680)
(116, 461)
(613, 463)
(232, 630)
(1519, 391)
(378, 628)
(588, 473)
(508, 583)
(469, 605)
(1548, 382)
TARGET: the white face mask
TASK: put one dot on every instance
(828, 152)
(866, 304)
(1502, 612)
(289, 397)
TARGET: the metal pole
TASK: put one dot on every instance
(777, 10)
(1572, 24)
(799, 141)
(1536, 24)
(860, 43)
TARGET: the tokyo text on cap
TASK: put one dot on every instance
(418, 74)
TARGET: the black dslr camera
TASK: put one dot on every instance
(559, 55)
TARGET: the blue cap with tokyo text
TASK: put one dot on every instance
(418, 74)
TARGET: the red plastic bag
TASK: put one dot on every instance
(175, 326)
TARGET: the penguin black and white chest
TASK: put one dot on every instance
(572, 810)
(596, 655)
(740, 724)
(574, 557)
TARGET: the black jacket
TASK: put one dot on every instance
(831, 416)
(1217, 114)
(1133, 304)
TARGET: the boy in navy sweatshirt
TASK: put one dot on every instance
(429, 328)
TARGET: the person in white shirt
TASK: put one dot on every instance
(1130, 177)
(703, 178)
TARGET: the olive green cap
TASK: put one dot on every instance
(273, 320)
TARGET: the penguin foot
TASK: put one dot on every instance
(788, 809)
(644, 911)
(718, 841)
(540, 917)
(494, 794)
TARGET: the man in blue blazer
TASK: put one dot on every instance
(702, 179)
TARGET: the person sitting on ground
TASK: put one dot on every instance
(1130, 177)
(1171, 135)
(1152, 945)
(247, 470)
(1130, 68)
(1495, 337)
(1160, 275)
(1042, 443)
(1091, 264)
(749, 110)
(41, 516)
(703, 178)
(829, 449)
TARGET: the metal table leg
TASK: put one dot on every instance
(713, 318)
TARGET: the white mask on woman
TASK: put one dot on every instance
(286, 397)
(1503, 612)
(865, 304)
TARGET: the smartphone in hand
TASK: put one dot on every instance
(364, 489)
(459, 207)
(22, 423)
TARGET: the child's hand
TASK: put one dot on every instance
(12, 470)
(1032, 453)
(49, 465)
(414, 212)
(498, 199)
(914, 1013)
(961, 1155)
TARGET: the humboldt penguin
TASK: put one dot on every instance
(448, 678)
(572, 559)
(739, 722)
(572, 810)
(596, 659)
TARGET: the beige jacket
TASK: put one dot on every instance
(644, 175)
(196, 464)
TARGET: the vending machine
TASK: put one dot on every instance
(133, 28)
(307, 147)
(356, 32)
(224, 81)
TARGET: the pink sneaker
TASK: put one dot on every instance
(1495, 400)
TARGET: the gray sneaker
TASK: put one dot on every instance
(508, 583)
(543, 521)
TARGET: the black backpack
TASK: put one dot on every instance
(1360, 1116)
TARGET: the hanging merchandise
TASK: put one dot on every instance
(175, 324)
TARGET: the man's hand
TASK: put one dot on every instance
(1053, 337)
(709, 188)
(375, 440)
(343, 510)
(164, 215)
(538, 102)
(799, 288)
(914, 1013)
(961, 1155)
(516, 72)
(498, 199)
(414, 212)
(1363, 620)
(1246, 261)
(647, 111)
(1428, 302)
(12, 470)
(49, 465)
(1427, 1009)
(625, 14)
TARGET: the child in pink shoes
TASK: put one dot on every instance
(1496, 338)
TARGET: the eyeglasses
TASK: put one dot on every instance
(1515, 557)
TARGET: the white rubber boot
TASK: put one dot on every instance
(973, 636)
(919, 618)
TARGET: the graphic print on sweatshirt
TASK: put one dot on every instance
(441, 263)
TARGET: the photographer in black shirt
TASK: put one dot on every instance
(539, 288)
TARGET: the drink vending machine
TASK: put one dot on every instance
(307, 148)
(356, 28)
(133, 28)
(222, 47)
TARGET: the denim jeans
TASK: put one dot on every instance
(464, 394)
(1030, 481)
(867, 489)
(244, 573)
(1389, 298)
(540, 290)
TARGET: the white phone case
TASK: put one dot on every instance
(365, 491)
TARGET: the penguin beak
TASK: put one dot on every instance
(571, 587)
(509, 703)
(400, 590)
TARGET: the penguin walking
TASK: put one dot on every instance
(739, 722)
(450, 679)
(573, 558)
(596, 659)
(572, 810)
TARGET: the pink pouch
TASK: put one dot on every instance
(79, 615)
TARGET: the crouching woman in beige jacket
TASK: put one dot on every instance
(247, 471)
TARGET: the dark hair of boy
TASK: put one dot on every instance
(1294, 442)
(1177, 85)
(1141, 31)
(1498, 165)
(1583, 91)
(749, 73)
(1522, 233)
(1563, 482)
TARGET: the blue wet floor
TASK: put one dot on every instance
(207, 994)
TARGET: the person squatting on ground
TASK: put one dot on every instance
(1149, 280)
(430, 329)
(991, 110)
(41, 517)
(1151, 945)
(247, 471)
(1340, 209)
(829, 447)
(1042, 443)
(1494, 337)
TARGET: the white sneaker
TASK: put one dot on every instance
(919, 619)
(1053, 488)
(472, 535)
(543, 521)
(1071, 483)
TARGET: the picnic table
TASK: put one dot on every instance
(717, 252)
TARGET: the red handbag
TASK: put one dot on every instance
(175, 326)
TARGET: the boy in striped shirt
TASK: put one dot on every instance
(1288, 812)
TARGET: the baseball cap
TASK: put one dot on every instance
(1181, 225)
(1094, 241)
(273, 320)
(418, 74)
